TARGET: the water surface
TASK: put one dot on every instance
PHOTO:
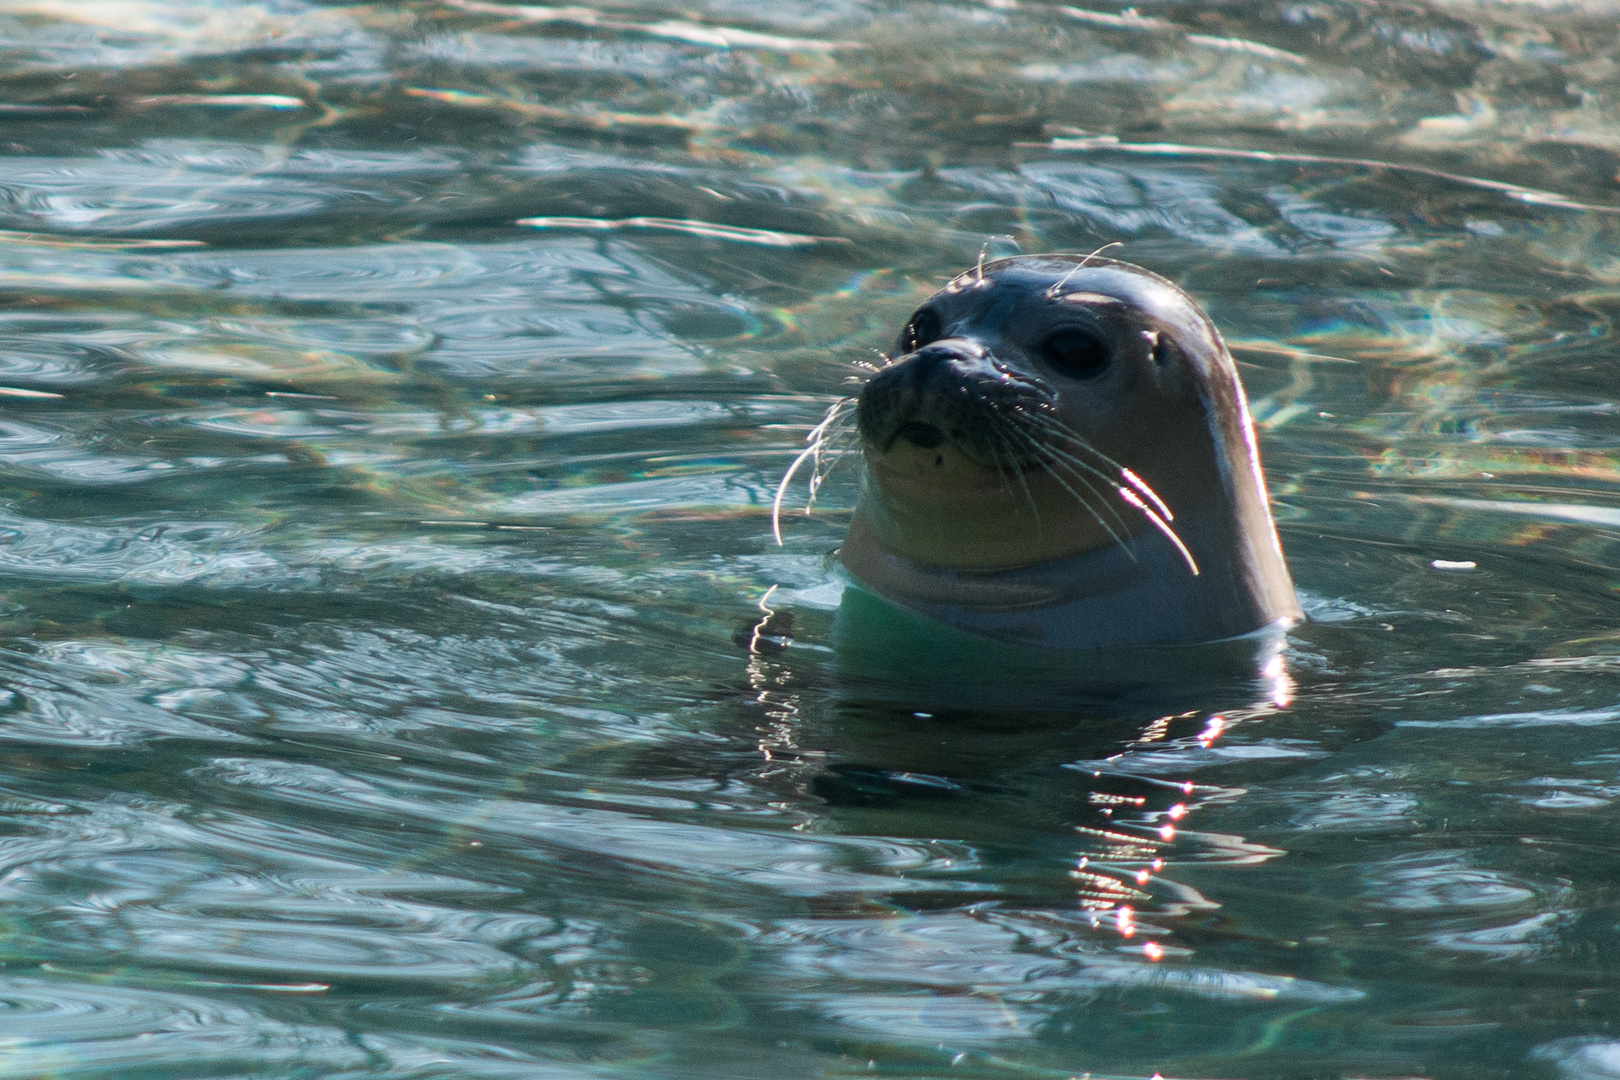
(391, 401)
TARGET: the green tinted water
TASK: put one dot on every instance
(371, 564)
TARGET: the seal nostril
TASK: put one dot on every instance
(926, 436)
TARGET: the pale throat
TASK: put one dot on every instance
(939, 507)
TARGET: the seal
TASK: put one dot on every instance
(1060, 454)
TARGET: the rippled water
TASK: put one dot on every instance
(391, 400)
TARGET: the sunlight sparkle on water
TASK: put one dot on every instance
(393, 399)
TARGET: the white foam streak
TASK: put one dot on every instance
(719, 37)
(709, 229)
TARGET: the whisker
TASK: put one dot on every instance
(832, 425)
(1057, 290)
(1099, 251)
(833, 458)
(1029, 496)
(839, 418)
(1078, 498)
(1159, 514)
(1001, 469)
(1080, 464)
(1153, 496)
(1074, 438)
(817, 438)
(1159, 523)
(808, 453)
(1052, 468)
(1081, 470)
(838, 428)
(1135, 500)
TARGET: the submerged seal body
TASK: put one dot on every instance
(1060, 453)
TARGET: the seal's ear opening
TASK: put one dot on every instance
(1165, 350)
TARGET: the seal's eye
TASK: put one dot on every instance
(1075, 353)
(923, 329)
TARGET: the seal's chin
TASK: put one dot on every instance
(938, 505)
(934, 472)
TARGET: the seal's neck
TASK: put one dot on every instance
(1136, 594)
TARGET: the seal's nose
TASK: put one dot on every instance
(946, 359)
(895, 402)
(954, 391)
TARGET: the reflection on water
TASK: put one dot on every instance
(392, 398)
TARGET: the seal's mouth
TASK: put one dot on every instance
(926, 436)
(915, 436)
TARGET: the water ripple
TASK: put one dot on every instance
(1353, 811)
(793, 864)
(370, 562)
(990, 978)
(1581, 1058)
(64, 1026)
(1444, 880)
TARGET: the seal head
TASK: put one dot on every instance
(1060, 453)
